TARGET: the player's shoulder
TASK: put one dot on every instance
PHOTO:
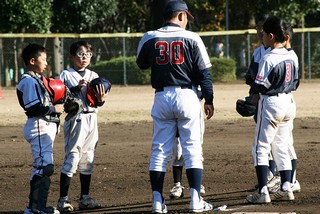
(27, 77)
(26, 81)
(92, 74)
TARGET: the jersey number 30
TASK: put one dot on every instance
(169, 53)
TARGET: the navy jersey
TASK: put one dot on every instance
(177, 57)
(278, 73)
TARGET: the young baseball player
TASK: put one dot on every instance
(259, 52)
(179, 63)
(277, 77)
(81, 131)
(274, 183)
(41, 127)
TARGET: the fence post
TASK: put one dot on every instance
(309, 56)
(248, 50)
(124, 61)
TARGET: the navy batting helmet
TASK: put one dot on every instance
(91, 94)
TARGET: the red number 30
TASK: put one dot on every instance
(170, 53)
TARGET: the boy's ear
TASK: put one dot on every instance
(32, 61)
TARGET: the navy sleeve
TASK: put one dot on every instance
(205, 82)
(40, 110)
(142, 60)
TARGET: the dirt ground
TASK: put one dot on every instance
(121, 180)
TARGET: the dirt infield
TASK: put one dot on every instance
(121, 179)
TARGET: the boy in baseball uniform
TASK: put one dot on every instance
(81, 130)
(41, 127)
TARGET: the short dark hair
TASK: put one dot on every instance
(170, 15)
(277, 27)
(76, 45)
(261, 17)
(32, 51)
(289, 30)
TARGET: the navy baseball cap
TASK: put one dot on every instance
(177, 5)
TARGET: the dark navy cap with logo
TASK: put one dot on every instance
(177, 5)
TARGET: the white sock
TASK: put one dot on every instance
(264, 190)
(286, 186)
(195, 197)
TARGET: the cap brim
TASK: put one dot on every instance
(189, 14)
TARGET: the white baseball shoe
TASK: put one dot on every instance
(201, 206)
(176, 191)
(296, 186)
(283, 196)
(47, 210)
(258, 198)
(64, 205)
(158, 207)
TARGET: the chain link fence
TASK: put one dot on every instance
(238, 45)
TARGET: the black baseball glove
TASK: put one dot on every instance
(245, 108)
(72, 107)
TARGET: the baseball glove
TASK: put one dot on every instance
(245, 108)
(72, 107)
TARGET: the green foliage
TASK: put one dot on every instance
(78, 16)
(289, 10)
(113, 70)
(25, 16)
(223, 69)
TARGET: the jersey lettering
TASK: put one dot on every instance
(164, 57)
(288, 72)
(172, 53)
(177, 52)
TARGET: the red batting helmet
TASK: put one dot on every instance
(58, 90)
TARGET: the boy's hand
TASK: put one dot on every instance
(59, 108)
(100, 92)
(82, 83)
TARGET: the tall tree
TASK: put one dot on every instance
(25, 16)
(22, 16)
(80, 16)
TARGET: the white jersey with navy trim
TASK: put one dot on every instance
(259, 52)
(257, 55)
(71, 78)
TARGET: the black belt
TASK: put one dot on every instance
(88, 112)
(182, 87)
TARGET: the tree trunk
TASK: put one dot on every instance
(58, 60)
(16, 67)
